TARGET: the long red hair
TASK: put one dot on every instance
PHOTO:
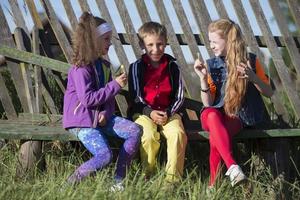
(235, 87)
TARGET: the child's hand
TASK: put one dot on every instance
(245, 71)
(102, 120)
(200, 69)
(122, 79)
(159, 117)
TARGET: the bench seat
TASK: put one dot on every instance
(40, 128)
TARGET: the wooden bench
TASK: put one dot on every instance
(30, 126)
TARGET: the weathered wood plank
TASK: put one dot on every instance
(187, 30)
(255, 134)
(182, 39)
(142, 10)
(280, 66)
(42, 118)
(58, 30)
(203, 19)
(17, 14)
(6, 100)
(84, 6)
(37, 72)
(70, 13)
(294, 6)
(14, 68)
(221, 9)
(33, 132)
(34, 13)
(34, 59)
(19, 38)
(13, 130)
(117, 44)
(254, 47)
(50, 105)
(289, 41)
(134, 41)
(191, 85)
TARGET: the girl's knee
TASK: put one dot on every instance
(104, 158)
(136, 131)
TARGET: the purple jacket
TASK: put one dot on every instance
(83, 100)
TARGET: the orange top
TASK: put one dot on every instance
(260, 72)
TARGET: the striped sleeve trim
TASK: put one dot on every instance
(136, 84)
(180, 95)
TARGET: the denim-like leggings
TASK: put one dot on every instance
(94, 139)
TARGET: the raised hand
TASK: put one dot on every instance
(122, 79)
(245, 71)
(200, 69)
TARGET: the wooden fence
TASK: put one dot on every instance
(39, 82)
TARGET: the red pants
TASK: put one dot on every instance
(221, 129)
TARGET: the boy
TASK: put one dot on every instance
(155, 95)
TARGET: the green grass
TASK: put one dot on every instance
(62, 162)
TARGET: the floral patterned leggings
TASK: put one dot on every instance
(94, 139)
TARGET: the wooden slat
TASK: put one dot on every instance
(221, 9)
(143, 11)
(294, 6)
(289, 41)
(37, 72)
(277, 58)
(17, 14)
(6, 100)
(187, 30)
(14, 68)
(41, 118)
(34, 59)
(182, 39)
(254, 47)
(50, 105)
(13, 130)
(203, 19)
(191, 85)
(255, 134)
(33, 132)
(84, 6)
(19, 38)
(134, 41)
(70, 13)
(34, 13)
(58, 30)
(117, 44)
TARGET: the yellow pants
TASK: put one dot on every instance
(176, 139)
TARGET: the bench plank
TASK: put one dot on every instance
(249, 134)
(13, 130)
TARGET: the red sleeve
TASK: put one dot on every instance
(260, 72)
(212, 87)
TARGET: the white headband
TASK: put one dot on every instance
(103, 28)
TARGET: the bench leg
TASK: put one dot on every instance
(30, 158)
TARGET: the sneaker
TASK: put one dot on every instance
(236, 175)
(118, 187)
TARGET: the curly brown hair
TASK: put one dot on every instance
(236, 53)
(85, 47)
